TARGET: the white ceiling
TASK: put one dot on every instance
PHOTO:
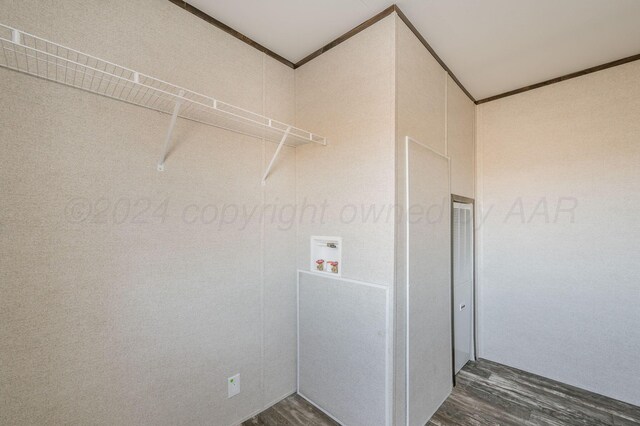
(492, 46)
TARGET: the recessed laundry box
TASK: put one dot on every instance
(326, 255)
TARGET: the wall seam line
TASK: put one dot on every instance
(262, 246)
(446, 115)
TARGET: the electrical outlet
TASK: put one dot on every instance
(233, 385)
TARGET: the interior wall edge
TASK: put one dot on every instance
(426, 44)
(391, 374)
(344, 37)
(479, 231)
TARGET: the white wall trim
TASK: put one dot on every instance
(334, 277)
(407, 301)
(298, 331)
(417, 142)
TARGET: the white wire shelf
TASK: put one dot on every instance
(42, 58)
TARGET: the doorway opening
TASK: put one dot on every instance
(462, 283)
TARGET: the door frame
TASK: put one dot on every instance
(474, 315)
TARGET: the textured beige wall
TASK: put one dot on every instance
(421, 92)
(140, 323)
(559, 186)
(461, 118)
(347, 95)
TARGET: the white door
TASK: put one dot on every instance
(462, 284)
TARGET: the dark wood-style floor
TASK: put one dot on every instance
(294, 410)
(488, 393)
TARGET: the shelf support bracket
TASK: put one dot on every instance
(275, 155)
(15, 36)
(172, 123)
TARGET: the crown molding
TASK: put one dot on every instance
(344, 37)
(227, 29)
(562, 78)
(371, 21)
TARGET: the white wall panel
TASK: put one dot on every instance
(345, 348)
(429, 363)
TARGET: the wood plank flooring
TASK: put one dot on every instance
(294, 410)
(488, 393)
(492, 394)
